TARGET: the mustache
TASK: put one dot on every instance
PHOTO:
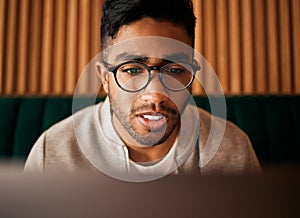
(154, 107)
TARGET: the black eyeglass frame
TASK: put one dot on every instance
(114, 70)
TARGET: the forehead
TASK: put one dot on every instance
(151, 27)
(148, 47)
(149, 38)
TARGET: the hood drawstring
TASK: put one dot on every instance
(127, 161)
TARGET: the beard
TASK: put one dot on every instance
(146, 136)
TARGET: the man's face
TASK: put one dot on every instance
(150, 116)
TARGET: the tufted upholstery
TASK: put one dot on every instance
(272, 123)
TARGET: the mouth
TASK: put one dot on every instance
(152, 120)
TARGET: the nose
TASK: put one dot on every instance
(155, 92)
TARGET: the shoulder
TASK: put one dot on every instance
(58, 147)
(224, 146)
(230, 131)
(67, 128)
(64, 134)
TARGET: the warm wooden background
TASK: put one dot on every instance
(253, 45)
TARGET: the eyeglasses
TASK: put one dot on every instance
(134, 76)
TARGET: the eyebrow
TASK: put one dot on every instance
(177, 57)
(128, 57)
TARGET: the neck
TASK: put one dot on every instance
(152, 153)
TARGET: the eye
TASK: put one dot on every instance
(174, 69)
(133, 70)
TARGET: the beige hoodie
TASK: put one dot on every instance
(87, 140)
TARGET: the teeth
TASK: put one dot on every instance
(153, 117)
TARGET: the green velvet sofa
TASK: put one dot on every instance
(272, 123)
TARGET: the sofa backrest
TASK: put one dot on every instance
(272, 123)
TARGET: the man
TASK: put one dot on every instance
(147, 127)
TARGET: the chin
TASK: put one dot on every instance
(152, 138)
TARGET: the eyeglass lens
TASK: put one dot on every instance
(135, 76)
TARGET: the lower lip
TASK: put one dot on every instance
(152, 124)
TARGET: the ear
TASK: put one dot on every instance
(103, 74)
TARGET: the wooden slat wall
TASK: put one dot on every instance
(253, 45)
(296, 43)
(2, 38)
(257, 44)
(272, 45)
(45, 44)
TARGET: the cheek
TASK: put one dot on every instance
(111, 86)
(121, 99)
(180, 99)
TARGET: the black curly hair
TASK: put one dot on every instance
(117, 13)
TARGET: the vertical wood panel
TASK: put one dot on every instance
(247, 47)
(285, 49)
(83, 35)
(296, 43)
(272, 43)
(34, 46)
(71, 46)
(234, 47)
(96, 14)
(10, 50)
(209, 38)
(2, 38)
(198, 8)
(47, 47)
(253, 45)
(260, 47)
(23, 46)
(222, 44)
(197, 88)
(59, 46)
